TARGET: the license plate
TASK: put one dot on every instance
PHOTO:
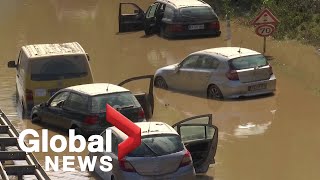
(196, 27)
(257, 87)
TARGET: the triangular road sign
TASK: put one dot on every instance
(265, 17)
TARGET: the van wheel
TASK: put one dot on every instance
(160, 83)
(35, 119)
(214, 92)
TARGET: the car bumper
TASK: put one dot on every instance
(184, 173)
(237, 89)
(92, 131)
(192, 34)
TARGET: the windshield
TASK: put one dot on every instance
(248, 62)
(158, 146)
(116, 100)
(58, 67)
(198, 13)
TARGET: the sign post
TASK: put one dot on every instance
(265, 23)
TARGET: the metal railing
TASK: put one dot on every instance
(9, 138)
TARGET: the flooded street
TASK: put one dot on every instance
(262, 138)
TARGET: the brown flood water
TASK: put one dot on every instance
(263, 138)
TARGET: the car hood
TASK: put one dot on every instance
(166, 68)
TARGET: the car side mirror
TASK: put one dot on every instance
(177, 68)
(44, 104)
(12, 64)
(136, 11)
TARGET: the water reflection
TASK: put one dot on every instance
(235, 118)
(76, 10)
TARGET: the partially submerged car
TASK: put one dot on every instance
(225, 72)
(43, 69)
(83, 107)
(177, 152)
(171, 18)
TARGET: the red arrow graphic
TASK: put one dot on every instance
(126, 126)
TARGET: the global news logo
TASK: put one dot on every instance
(96, 143)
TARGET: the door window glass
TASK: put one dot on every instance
(168, 14)
(191, 62)
(190, 133)
(208, 62)
(77, 102)
(152, 10)
(129, 9)
(59, 98)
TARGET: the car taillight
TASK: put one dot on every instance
(175, 28)
(232, 75)
(141, 113)
(214, 25)
(90, 120)
(126, 166)
(186, 160)
(29, 95)
(270, 70)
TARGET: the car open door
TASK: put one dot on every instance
(146, 99)
(150, 21)
(131, 17)
(200, 137)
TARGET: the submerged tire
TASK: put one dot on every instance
(214, 92)
(160, 83)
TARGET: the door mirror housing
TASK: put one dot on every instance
(12, 64)
(177, 68)
(45, 104)
(136, 11)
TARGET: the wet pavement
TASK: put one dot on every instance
(268, 137)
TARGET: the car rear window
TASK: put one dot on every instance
(248, 62)
(116, 100)
(158, 146)
(58, 67)
(198, 13)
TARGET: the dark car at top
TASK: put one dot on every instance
(171, 18)
(83, 107)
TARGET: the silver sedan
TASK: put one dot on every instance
(225, 72)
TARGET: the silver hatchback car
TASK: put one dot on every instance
(177, 152)
(225, 72)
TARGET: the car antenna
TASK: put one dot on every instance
(107, 87)
(240, 47)
(149, 127)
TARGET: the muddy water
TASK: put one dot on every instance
(272, 137)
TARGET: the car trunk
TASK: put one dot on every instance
(159, 165)
(254, 74)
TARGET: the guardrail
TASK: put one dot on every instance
(9, 138)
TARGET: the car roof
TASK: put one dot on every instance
(229, 52)
(184, 3)
(42, 50)
(149, 128)
(97, 88)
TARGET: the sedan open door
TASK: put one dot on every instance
(200, 137)
(146, 99)
(131, 17)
